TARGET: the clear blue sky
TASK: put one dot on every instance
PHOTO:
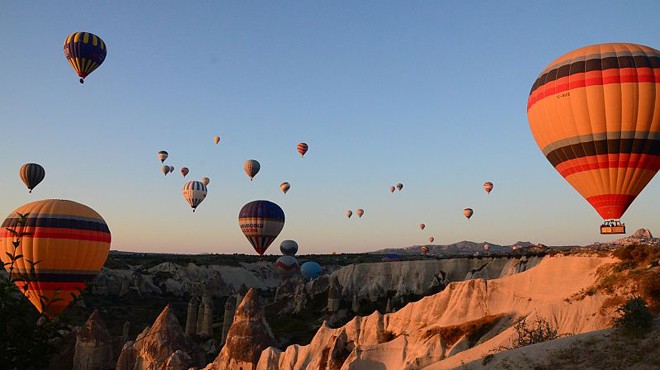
(429, 93)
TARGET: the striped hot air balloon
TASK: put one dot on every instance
(287, 266)
(289, 247)
(302, 149)
(595, 115)
(31, 175)
(261, 222)
(85, 52)
(162, 156)
(251, 168)
(71, 242)
(488, 186)
(194, 192)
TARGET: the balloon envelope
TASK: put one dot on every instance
(184, 171)
(162, 155)
(165, 169)
(595, 115)
(85, 52)
(31, 174)
(251, 168)
(392, 188)
(216, 139)
(488, 186)
(287, 266)
(302, 149)
(431, 239)
(310, 270)
(422, 226)
(194, 192)
(349, 213)
(285, 186)
(468, 212)
(71, 242)
(261, 222)
(399, 186)
(359, 212)
(425, 249)
(205, 181)
(289, 247)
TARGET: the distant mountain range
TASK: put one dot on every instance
(469, 248)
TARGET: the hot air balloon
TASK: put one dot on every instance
(349, 213)
(165, 169)
(289, 247)
(486, 247)
(194, 192)
(488, 186)
(310, 270)
(216, 139)
(171, 169)
(468, 212)
(31, 174)
(287, 266)
(302, 149)
(422, 226)
(184, 171)
(399, 186)
(359, 212)
(162, 155)
(251, 168)
(431, 239)
(425, 249)
(285, 186)
(595, 115)
(71, 242)
(392, 189)
(205, 181)
(261, 222)
(85, 52)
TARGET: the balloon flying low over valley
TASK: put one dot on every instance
(407, 112)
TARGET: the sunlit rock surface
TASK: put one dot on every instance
(93, 345)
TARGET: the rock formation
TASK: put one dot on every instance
(334, 295)
(419, 335)
(155, 346)
(230, 308)
(93, 345)
(191, 316)
(248, 336)
(205, 318)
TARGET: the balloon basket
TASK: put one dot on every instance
(612, 228)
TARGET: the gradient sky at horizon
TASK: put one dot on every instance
(430, 94)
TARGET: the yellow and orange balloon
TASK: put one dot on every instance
(69, 240)
(595, 115)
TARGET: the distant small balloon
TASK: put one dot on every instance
(194, 192)
(422, 226)
(251, 168)
(289, 247)
(205, 181)
(349, 213)
(468, 212)
(392, 188)
(171, 168)
(162, 155)
(184, 171)
(431, 239)
(399, 186)
(285, 186)
(165, 169)
(488, 186)
(359, 212)
(216, 139)
(31, 174)
(425, 249)
(302, 149)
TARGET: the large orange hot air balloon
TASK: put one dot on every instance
(71, 242)
(595, 115)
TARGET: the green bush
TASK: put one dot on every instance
(635, 317)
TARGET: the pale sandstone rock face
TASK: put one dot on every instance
(155, 346)
(411, 339)
(248, 336)
(93, 345)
